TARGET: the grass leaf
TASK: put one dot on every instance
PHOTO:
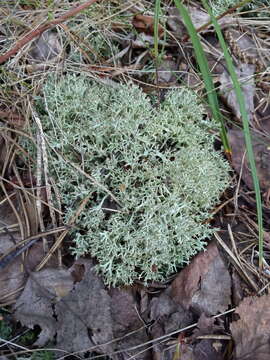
(246, 130)
(206, 75)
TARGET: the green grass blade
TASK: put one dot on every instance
(206, 75)
(156, 23)
(246, 130)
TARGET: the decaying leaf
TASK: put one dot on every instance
(145, 23)
(128, 325)
(12, 277)
(95, 317)
(35, 305)
(199, 18)
(261, 153)
(251, 333)
(84, 316)
(167, 316)
(245, 74)
(167, 71)
(245, 48)
(46, 48)
(204, 285)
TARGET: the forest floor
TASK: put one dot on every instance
(54, 306)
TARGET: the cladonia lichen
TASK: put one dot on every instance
(158, 164)
(258, 7)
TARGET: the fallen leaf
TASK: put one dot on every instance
(35, 305)
(96, 316)
(244, 47)
(166, 316)
(251, 333)
(245, 74)
(204, 285)
(205, 350)
(46, 48)
(84, 317)
(128, 325)
(145, 23)
(261, 152)
(167, 71)
(198, 17)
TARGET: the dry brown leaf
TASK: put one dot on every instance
(205, 350)
(81, 316)
(251, 333)
(12, 277)
(245, 74)
(34, 306)
(261, 153)
(166, 316)
(46, 48)
(166, 71)
(199, 18)
(84, 318)
(126, 320)
(96, 316)
(204, 285)
(145, 23)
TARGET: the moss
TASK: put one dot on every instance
(159, 164)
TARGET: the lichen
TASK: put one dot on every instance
(159, 164)
(258, 7)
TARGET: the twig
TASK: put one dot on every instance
(41, 28)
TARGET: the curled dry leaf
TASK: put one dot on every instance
(144, 23)
(204, 285)
(251, 333)
(261, 153)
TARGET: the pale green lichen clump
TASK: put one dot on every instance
(159, 164)
(256, 7)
